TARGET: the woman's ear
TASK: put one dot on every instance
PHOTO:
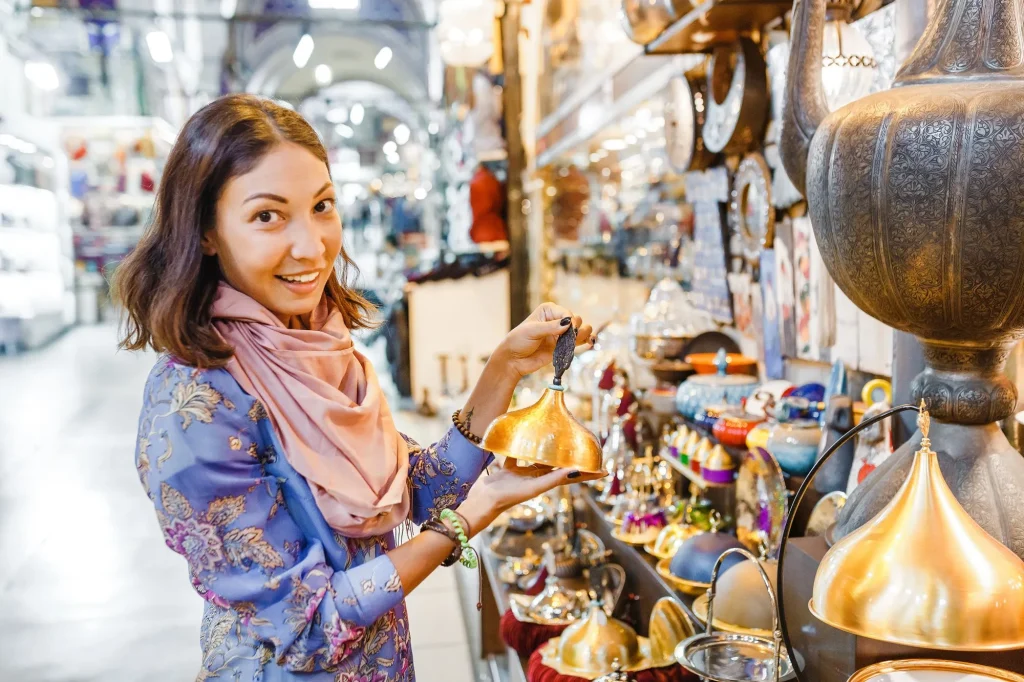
(208, 245)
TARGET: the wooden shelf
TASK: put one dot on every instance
(687, 472)
(716, 22)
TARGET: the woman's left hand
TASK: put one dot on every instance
(531, 345)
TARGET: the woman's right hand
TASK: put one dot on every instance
(505, 486)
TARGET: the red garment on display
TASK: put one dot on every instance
(536, 671)
(525, 638)
(487, 200)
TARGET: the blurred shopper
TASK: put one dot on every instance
(264, 441)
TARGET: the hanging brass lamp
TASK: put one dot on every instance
(546, 433)
(923, 573)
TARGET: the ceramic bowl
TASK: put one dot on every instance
(704, 363)
(709, 416)
(757, 437)
(814, 393)
(732, 429)
(795, 445)
(695, 559)
(711, 389)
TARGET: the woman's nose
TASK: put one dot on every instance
(307, 241)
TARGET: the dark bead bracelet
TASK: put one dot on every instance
(439, 526)
(476, 440)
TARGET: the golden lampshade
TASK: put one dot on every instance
(546, 433)
(589, 647)
(923, 573)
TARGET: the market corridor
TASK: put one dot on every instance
(88, 591)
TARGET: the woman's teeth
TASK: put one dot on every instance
(302, 279)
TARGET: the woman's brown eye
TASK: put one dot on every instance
(322, 206)
(264, 216)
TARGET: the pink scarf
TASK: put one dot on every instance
(328, 408)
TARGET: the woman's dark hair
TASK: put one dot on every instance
(166, 284)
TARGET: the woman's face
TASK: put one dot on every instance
(278, 232)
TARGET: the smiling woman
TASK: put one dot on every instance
(265, 442)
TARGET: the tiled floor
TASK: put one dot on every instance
(88, 590)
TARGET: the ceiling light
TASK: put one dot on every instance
(402, 133)
(476, 36)
(43, 75)
(227, 8)
(433, 128)
(356, 115)
(159, 47)
(334, 4)
(390, 147)
(344, 130)
(383, 58)
(630, 139)
(323, 74)
(339, 115)
(394, 159)
(303, 51)
(420, 193)
(614, 145)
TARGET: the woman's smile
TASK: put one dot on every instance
(302, 284)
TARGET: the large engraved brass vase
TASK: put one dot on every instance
(916, 198)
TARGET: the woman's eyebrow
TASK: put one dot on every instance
(264, 195)
(327, 185)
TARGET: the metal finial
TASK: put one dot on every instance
(924, 422)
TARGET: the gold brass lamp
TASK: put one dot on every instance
(884, 581)
(546, 433)
(921, 573)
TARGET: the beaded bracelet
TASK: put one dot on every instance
(469, 557)
(469, 435)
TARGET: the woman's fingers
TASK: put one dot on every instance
(585, 335)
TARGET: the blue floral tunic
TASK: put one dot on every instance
(286, 597)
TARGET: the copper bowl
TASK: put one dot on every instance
(704, 363)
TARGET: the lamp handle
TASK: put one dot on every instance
(713, 588)
(798, 498)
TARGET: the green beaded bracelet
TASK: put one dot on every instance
(469, 558)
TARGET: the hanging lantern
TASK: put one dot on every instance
(466, 32)
(848, 64)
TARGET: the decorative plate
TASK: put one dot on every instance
(761, 501)
(737, 105)
(751, 213)
(825, 513)
(684, 119)
(519, 605)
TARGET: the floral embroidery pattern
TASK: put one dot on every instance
(203, 540)
(298, 615)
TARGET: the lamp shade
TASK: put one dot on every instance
(545, 433)
(923, 573)
(848, 64)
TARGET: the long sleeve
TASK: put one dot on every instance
(202, 464)
(442, 474)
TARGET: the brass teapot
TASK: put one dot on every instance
(915, 199)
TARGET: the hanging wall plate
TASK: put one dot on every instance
(684, 120)
(751, 214)
(737, 103)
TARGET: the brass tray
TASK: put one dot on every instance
(685, 586)
(650, 549)
(519, 604)
(633, 538)
(880, 672)
(550, 658)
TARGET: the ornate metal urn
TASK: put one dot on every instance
(918, 208)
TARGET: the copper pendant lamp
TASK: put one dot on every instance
(546, 433)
